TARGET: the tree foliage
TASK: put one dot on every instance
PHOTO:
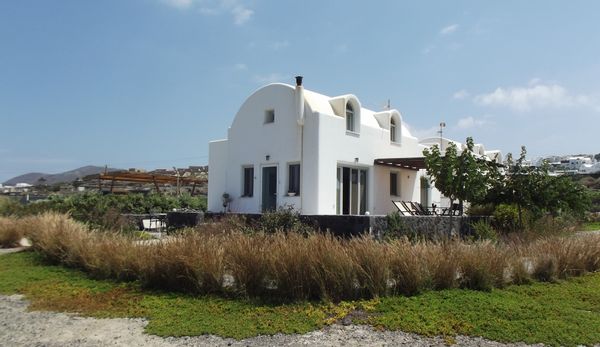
(466, 177)
(533, 188)
(460, 176)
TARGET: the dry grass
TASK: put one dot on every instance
(291, 266)
(11, 232)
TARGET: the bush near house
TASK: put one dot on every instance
(11, 232)
(519, 197)
(101, 210)
(291, 266)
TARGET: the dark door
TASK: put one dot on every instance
(269, 188)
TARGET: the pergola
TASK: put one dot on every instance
(139, 177)
(415, 163)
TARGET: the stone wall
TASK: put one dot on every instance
(429, 227)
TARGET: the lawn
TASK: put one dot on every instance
(564, 313)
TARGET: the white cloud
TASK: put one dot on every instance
(269, 78)
(179, 3)
(461, 94)
(471, 122)
(449, 29)
(278, 45)
(534, 96)
(236, 8)
(428, 49)
(241, 14)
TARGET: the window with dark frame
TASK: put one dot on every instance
(248, 181)
(393, 130)
(393, 183)
(294, 179)
(349, 117)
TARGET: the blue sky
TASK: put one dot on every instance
(147, 83)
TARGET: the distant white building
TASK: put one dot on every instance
(320, 154)
(19, 187)
(574, 163)
(590, 168)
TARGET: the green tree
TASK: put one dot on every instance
(460, 176)
(532, 188)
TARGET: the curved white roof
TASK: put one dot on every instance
(323, 104)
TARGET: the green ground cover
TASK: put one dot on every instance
(590, 226)
(564, 313)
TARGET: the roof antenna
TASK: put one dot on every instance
(388, 107)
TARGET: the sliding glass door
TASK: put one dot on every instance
(351, 190)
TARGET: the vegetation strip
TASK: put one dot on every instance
(287, 267)
(565, 313)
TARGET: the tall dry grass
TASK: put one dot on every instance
(315, 266)
(11, 232)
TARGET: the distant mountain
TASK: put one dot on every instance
(67, 176)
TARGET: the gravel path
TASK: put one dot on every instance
(19, 327)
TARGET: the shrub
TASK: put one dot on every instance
(482, 266)
(372, 266)
(482, 230)
(9, 207)
(104, 211)
(396, 228)
(247, 259)
(506, 218)
(284, 219)
(293, 266)
(11, 232)
(189, 262)
(481, 210)
(406, 266)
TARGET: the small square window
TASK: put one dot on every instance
(269, 116)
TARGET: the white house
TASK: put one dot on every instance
(320, 154)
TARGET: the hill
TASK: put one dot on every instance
(67, 176)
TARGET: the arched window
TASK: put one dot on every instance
(393, 130)
(349, 117)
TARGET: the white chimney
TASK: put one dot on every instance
(300, 100)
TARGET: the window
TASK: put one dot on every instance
(349, 117)
(394, 183)
(393, 130)
(294, 179)
(248, 181)
(269, 116)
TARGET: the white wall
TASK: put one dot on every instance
(322, 145)
(249, 143)
(337, 147)
(217, 174)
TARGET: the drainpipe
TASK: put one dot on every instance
(300, 109)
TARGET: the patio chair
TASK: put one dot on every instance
(422, 210)
(410, 207)
(402, 208)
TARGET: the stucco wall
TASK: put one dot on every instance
(326, 145)
(217, 174)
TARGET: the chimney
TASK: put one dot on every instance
(300, 100)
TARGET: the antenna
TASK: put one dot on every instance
(389, 107)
